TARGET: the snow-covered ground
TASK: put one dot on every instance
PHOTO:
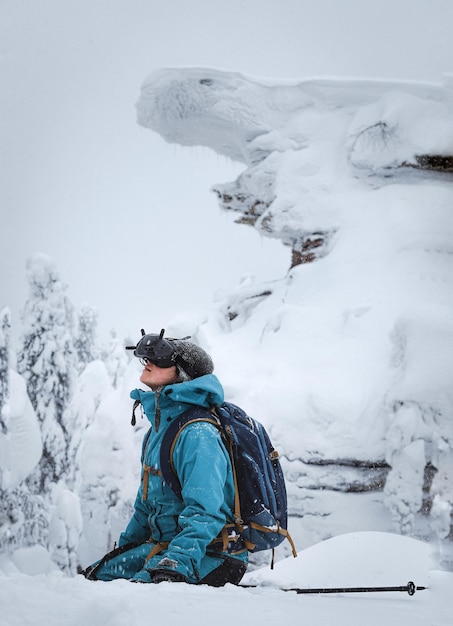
(358, 559)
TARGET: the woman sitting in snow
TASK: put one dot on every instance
(171, 538)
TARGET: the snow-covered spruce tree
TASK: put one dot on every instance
(85, 341)
(47, 362)
(23, 516)
(23, 519)
(115, 358)
(5, 325)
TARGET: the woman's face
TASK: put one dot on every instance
(154, 376)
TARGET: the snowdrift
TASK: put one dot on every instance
(358, 558)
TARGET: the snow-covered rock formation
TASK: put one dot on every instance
(348, 358)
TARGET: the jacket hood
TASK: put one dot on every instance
(205, 391)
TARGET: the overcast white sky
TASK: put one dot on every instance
(109, 201)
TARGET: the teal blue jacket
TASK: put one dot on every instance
(204, 470)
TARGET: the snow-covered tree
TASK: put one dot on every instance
(4, 378)
(23, 519)
(85, 341)
(65, 529)
(115, 358)
(47, 361)
(93, 386)
(5, 325)
(23, 516)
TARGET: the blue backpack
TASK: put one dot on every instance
(260, 510)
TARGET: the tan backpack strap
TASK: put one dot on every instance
(156, 549)
(147, 471)
(225, 539)
(237, 503)
(280, 531)
(188, 423)
(283, 531)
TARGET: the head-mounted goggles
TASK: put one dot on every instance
(154, 348)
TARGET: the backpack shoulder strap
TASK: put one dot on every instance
(194, 414)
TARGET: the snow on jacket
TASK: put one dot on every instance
(204, 470)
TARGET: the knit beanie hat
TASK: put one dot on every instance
(191, 360)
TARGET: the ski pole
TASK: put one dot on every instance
(410, 588)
